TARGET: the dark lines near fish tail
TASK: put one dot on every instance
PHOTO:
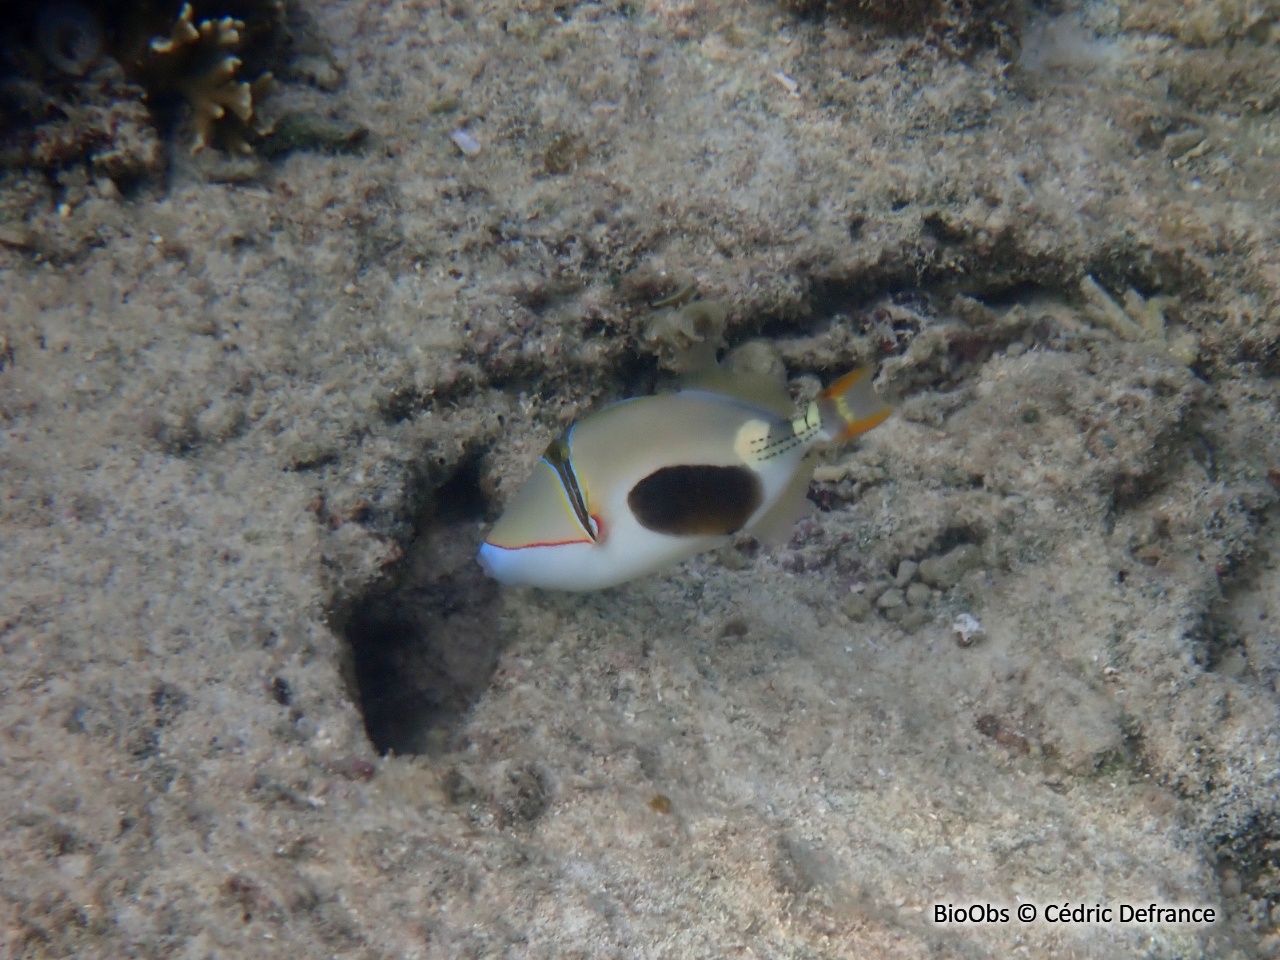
(780, 439)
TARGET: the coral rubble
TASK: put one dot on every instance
(104, 122)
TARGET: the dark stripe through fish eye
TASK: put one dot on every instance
(696, 500)
(558, 457)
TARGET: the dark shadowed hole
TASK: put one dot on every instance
(638, 376)
(957, 536)
(828, 297)
(1247, 842)
(424, 644)
(1215, 639)
(1016, 294)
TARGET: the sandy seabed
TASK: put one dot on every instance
(256, 699)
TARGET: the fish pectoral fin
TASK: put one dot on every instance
(775, 528)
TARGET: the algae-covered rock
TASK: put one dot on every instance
(674, 332)
(309, 131)
(918, 594)
(946, 570)
(856, 607)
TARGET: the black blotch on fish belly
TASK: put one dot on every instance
(696, 500)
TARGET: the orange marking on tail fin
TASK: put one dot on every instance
(856, 405)
(857, 427)
(845, 383)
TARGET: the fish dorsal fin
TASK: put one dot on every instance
(695, 360)
(757, 389)
(775, 528)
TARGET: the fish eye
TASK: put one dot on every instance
(557, 453)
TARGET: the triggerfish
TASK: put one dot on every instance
(650, 481)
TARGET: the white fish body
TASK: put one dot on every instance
(645, 483)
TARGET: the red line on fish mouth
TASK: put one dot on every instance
(544, 543)
(597, 538)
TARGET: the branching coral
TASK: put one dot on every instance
(199, 61)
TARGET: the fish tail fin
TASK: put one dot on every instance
(850, 407)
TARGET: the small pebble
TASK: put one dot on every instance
(15, 236)
(891, 599)
(908, 619)
(873, 590)
(788, 83)
(945, 571)
(918, 594)
(906, 573)
(1179, 144)
(465, 142)
(856, 606)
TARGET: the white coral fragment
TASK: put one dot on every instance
(1138, 319)
(1103, 309)
(465, 142)
(968, 629)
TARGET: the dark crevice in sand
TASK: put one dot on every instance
(422, 645)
